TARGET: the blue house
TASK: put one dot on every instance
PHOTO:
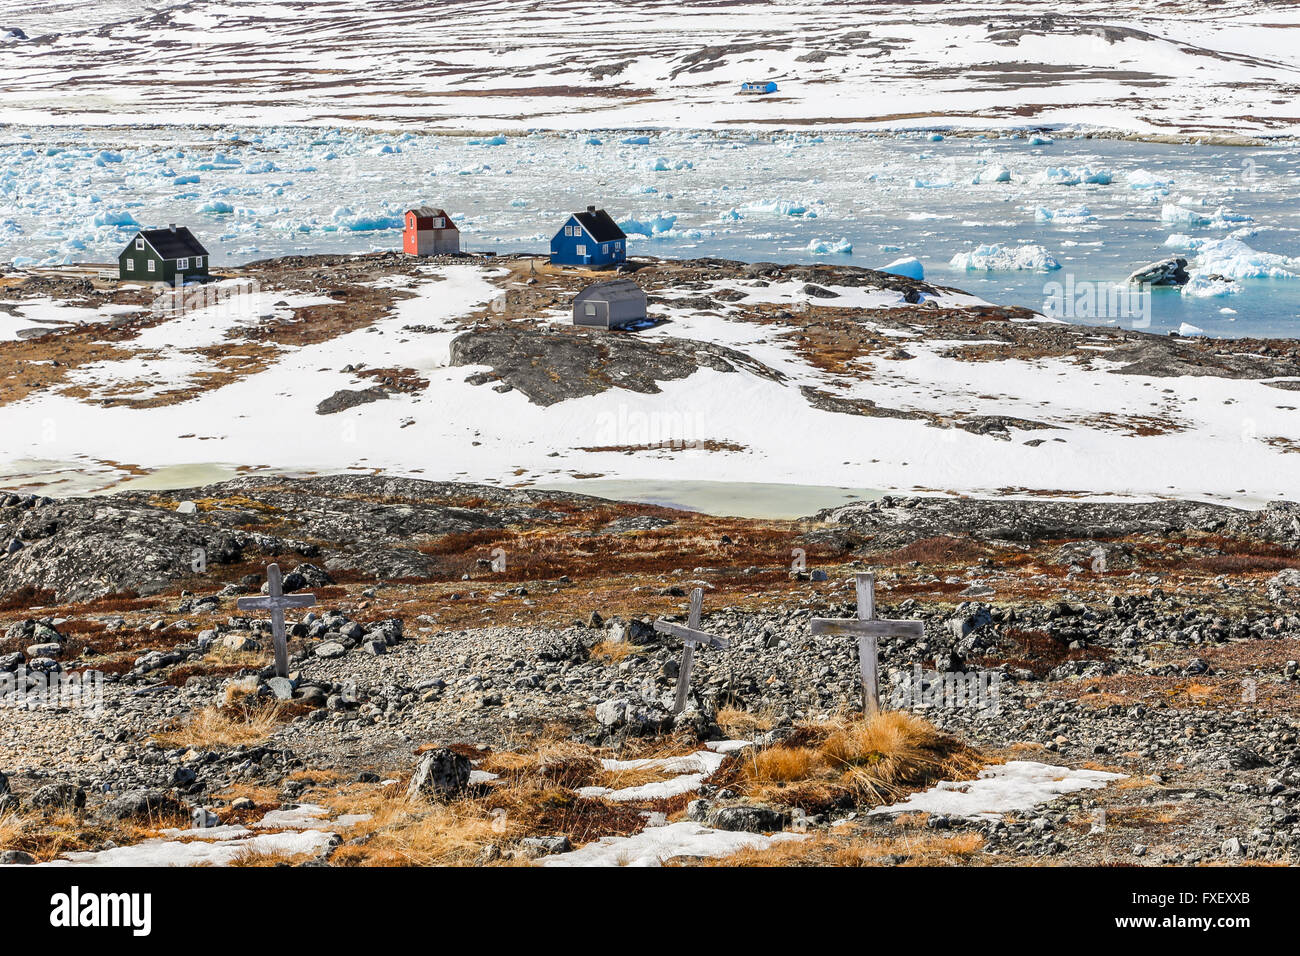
(589, 238)
(758, 86)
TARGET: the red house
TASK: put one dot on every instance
(429, 232)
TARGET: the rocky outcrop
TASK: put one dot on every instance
(1171, 271)
(345, 398)
(893, 522)
(84, 548)
(550, 366)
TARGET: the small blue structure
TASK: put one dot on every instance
(590, 239)
(758, 86)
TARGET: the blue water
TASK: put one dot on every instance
(64, 195)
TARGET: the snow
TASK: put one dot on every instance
(488, 70)
(691, 771)
(1013, 787)
(222, 845)
(465, 432)
(655, 845)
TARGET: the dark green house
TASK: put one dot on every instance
(170, 255)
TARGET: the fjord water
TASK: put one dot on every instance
(1098, 207)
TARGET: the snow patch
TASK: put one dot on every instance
(1015, 786)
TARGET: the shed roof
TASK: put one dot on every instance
(426, 212)
(599, 225)
(178, 243)
(615, 290)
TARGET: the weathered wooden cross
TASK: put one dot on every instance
(866, 629)
(691, 635)
(277, 602)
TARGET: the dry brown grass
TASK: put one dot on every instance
(404, 832)
(873, 761)
(228, 726)
(856, 849)
(249, 857)
(48, 835)
(738, 723)
(12, 828)
(614, 652)
(551, 763)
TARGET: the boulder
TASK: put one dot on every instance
(440, 773)
(58, 796)
(534, 847)
(140, 803)
(749, 819)
(345, 398)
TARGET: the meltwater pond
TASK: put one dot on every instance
(1004, 217)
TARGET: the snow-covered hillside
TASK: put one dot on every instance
(749, 379)
(1187, 68)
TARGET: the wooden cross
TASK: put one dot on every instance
(691, 635)
(866, 629)
(277, 602)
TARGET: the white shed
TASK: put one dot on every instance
(609, 305)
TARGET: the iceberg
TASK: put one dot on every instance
(1070, 214)
(1233, 259)
(659, 225)
(1205, 286)
(824, 247)
(992, 174)
(1143, 179)
(994, 257)
(121, 219)
(1219, 219)
(782, 207)
(909, 266)
(1064, 176)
